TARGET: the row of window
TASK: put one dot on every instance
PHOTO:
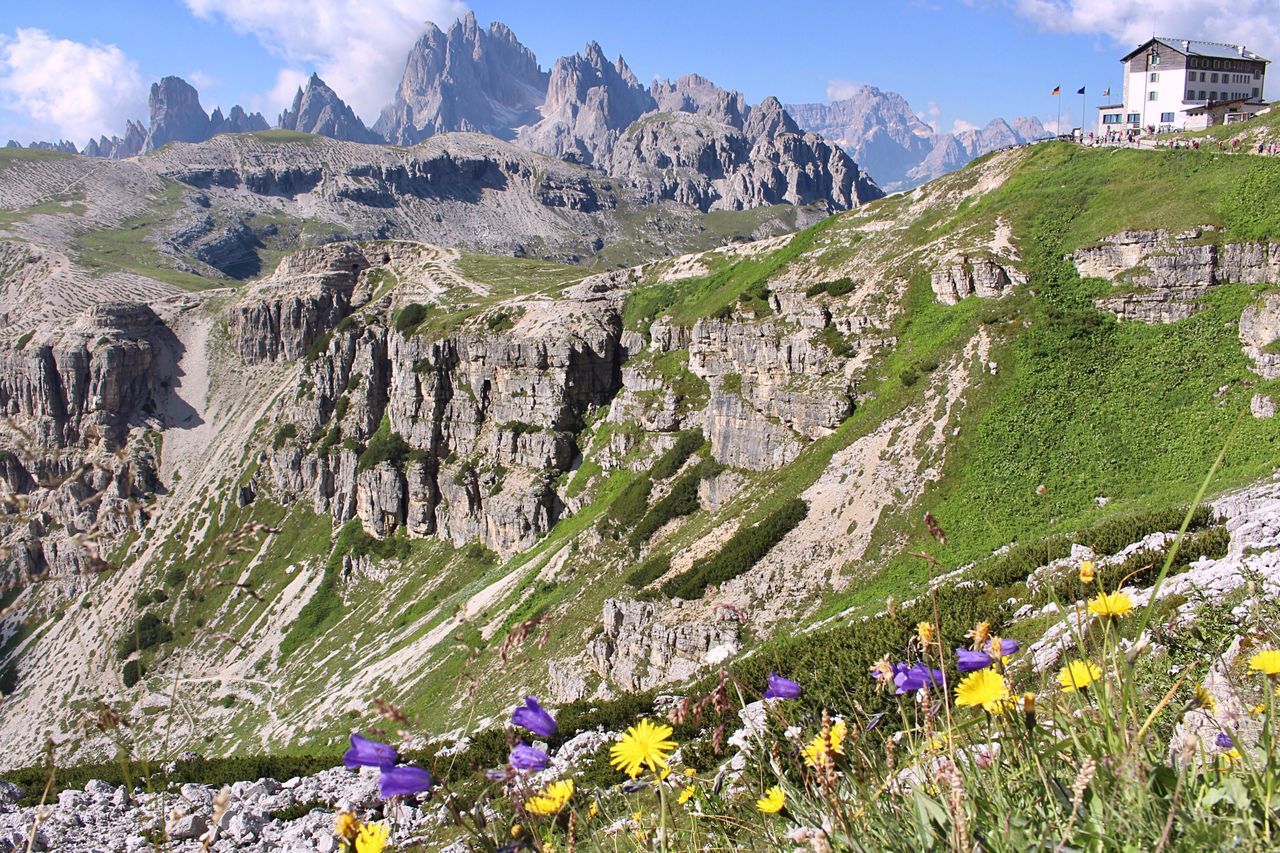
(1213, 96)
(1213, 77)
(1132, 118)
(1228, 64)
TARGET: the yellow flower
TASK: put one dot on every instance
(980, 634)
(1204, 699)
(985, 688)
(820, 749)
(687, 794)
(773, 801)
(643, 745)
(1114, 604)
(517, 830)
(690, 772)
(346, 825)
(1258, 709)
(593, 809)
(1086, 572)
(636, 816)
(372, 838)
(925, 633)
(1230, 757)
(551, 799)
(1078, 675)
(1266, 662)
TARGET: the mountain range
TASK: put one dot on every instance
(883, 133)
(686, 139)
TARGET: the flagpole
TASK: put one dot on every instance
(1059, 119)
(1084, 109)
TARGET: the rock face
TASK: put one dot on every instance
(485, 419)
(884, 134)
(1259, 331)
(308, 295)
(1165, 275)
(979, 276)
(319, 110)
(589, 102)
(468, 79)
(176, 116)
(693, 158)
(638, 651)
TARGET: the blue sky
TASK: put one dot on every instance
(76, 67)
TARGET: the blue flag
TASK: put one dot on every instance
(1081, 92)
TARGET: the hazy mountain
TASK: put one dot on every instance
(888, 139)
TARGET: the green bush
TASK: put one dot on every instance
(410, 317)
(384, 446)
(739, 554)
(175, 576)
(628, 507)
(908, 377)
(682, 500)
(687, 443)
(648, 571)
(839, 287)
(838, 343)
(284, 434)
(132, 672)
(150, 630)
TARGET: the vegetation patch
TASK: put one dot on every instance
(747, 547)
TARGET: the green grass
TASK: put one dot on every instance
(17, 156)
(130, 246)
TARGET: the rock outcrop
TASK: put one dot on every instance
(176, 116)
(117, 148)
(1164, 275)
(985, 277)
(481, 422)
(1259, 333)
(638, 650)
(319, 110)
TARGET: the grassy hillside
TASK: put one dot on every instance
(1080, 407)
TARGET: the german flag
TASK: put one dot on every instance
(1057, 90)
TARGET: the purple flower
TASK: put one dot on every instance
(369, 753)
(402, 781)
(1224, 741)
(913, 678)
(525, 757)
(782, 688)
(533, 717)
(971, 661)
(1007, 647)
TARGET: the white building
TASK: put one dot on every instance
(1179, 84)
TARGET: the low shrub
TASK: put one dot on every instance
(284, 434)
(682, 500)
(649, 571)
(132, 672)
(687, 443)
(150, 630)
(410, 317)
(747, 547)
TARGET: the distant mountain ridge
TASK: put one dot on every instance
(884, 134)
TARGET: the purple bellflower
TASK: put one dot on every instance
(534, 717)
(782, 688)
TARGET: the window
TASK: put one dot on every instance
(1201, 76)
(1213, 78)
(1213, 96)
(1202, 95)
(1111, 118)
(1155, 76)
(1153, 96)
(1134, 118)
(1255, 91)
(1191, 95)
(1166, 117)
(1193, 63)
(1217, 63)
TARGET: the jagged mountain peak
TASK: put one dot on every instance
(319, 110)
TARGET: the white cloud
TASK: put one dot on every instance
(202, 80)
(358, 47)
(288, 81)
(838, 90)
(1128, 23)
(66, 88)
(960, 126)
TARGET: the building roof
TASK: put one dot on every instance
(1111, 107)
(1218, 105)
(1193, 47)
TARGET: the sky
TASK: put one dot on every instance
(79, 68)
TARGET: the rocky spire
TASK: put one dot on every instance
(319, 110)
(176, 114)
(467, 79)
